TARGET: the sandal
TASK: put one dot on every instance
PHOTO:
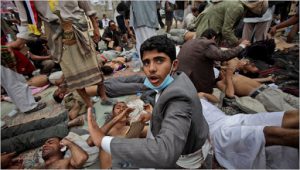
(40, 106)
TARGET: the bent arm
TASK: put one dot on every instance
(37, 57)
(164, 150)
(215, 53)
(291, 21)
(78, 155)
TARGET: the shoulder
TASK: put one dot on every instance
(180, 88)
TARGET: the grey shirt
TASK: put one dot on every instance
(143, 14)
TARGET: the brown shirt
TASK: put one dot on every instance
(196, 59)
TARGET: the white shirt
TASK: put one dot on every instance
(105, 22)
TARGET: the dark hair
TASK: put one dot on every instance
(194, 9)
(107, 70)
(116, 105)
(56, 97)
(160, 43)
(209, 33)
(111, 21)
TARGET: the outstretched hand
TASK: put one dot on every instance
(95, 132)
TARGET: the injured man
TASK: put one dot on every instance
(254, 141)
(121, 123)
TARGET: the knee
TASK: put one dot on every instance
(291, 119)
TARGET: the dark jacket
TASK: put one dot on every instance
(114, 35)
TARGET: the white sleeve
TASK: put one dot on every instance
(105, 143)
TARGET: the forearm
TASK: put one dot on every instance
(263, 80)
(229, 91)
(291, 21)
(215, 53)
(37, 57)
(78, 155)
(211, 98)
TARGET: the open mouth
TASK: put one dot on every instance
(154, 80)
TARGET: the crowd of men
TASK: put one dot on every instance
(207, 103)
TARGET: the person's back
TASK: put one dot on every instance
(193, 61)
(220, 17)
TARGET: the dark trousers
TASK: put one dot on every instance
(122, 86)
(33, 134)
(162, 25)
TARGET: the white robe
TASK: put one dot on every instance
(239, 140)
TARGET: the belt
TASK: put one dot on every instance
(259, 90)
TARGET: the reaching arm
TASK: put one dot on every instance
(78, 155)
(37, 57)
(291, 21)
(215, 53)
(105, 128)
(265, 79)
(211, 98)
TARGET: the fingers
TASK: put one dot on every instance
(128, 110)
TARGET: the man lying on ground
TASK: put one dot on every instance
(115, 87)
(53, 154)
(22, 137)
(243, 141)
(273, 99)
(118, 125)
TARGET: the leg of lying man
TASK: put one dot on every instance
(33, 139)
(33, 125)
(281, 136)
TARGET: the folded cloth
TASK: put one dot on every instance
(93, 152)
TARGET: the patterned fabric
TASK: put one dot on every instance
(8, 60)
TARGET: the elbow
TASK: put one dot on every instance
(80, 162)
(168, 160)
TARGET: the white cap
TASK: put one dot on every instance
(216, 72)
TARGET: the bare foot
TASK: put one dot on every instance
(79, 121)
(95, 132)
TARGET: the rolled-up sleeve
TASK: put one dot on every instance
(87, 7)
